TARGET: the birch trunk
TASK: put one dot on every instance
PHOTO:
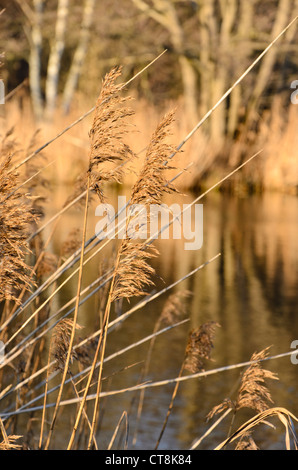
(79, 55)
(54, 63)
(35, 40)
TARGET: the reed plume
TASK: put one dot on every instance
(16, 216)
(152, 182)
(107, 134)
(246, 442)
(252, 391)
(60, 349)
(107, 146)
(199, 347)
(10, 443)
(133, 271)
(175, 308)
(60, 343)
(71, 244)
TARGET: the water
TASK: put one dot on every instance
(251, 290)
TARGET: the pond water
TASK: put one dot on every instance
(251, 290)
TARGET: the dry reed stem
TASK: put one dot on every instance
(125, 418)
(106, 145)
(126, 314)
(83, 358)
(132, 271)
(173, 311)
(74, 325)
(63, 268)
(159, 383)
(145, 244)
(246, 442)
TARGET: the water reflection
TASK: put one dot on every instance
(250, 290)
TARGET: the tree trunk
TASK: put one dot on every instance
(243, 51)
(35, 39)
(164, 13)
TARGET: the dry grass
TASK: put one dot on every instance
(16, 218)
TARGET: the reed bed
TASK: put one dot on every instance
(46, 355)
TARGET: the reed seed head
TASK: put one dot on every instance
(246, 443)
(152, 182)
(110, 125)
(133, 272)
(199, 346)
(60, 343)
(175, 308)
(10, 443)
(16, 216)
(252, 392)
